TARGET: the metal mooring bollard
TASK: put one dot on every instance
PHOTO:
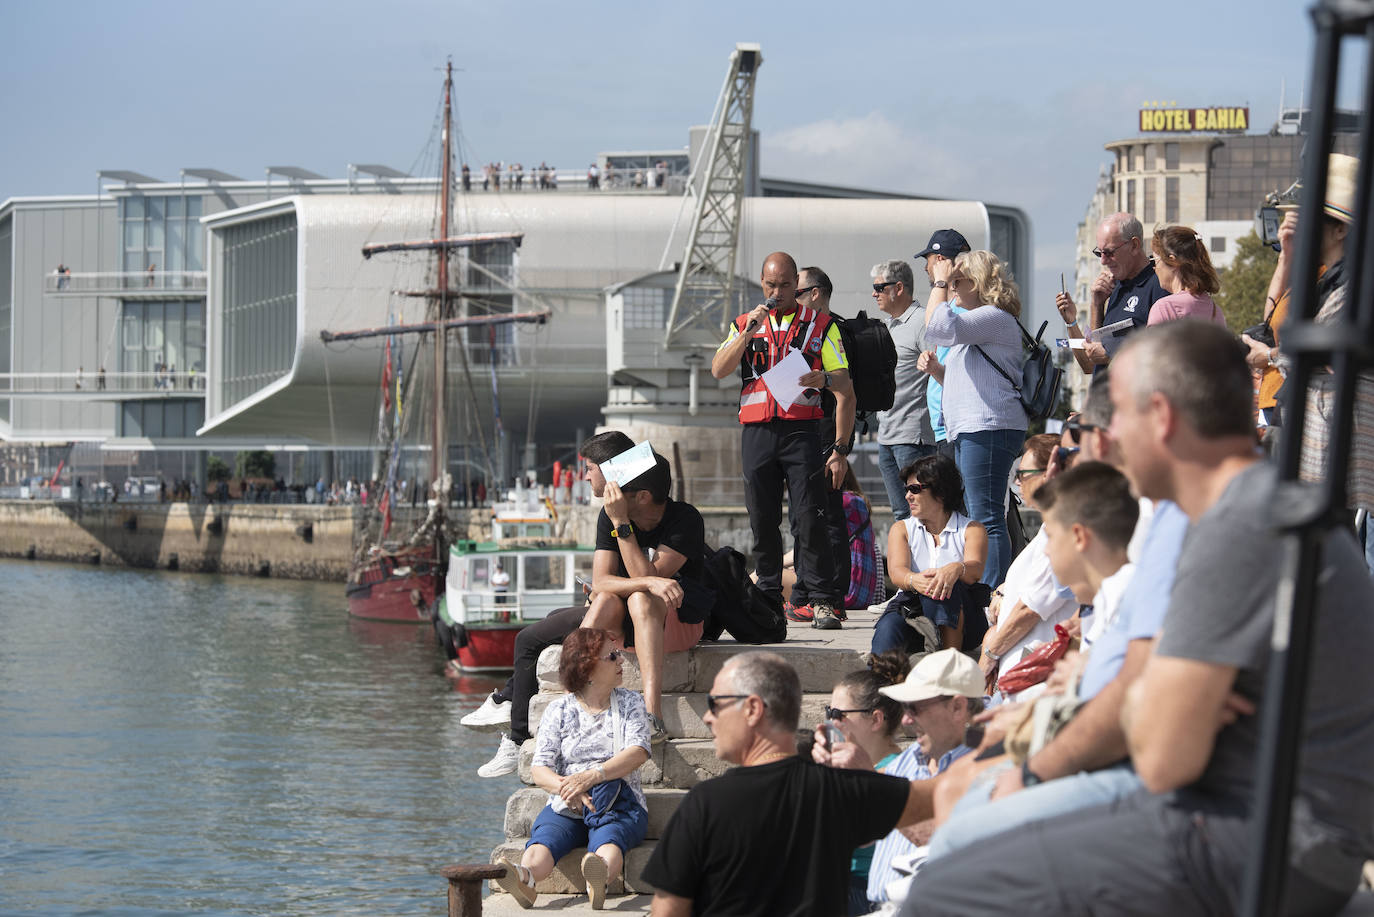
(465, 887)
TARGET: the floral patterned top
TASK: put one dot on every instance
(571, 740)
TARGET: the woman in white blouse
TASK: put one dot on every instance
(588, 751)
(983, 416)
(935, 556)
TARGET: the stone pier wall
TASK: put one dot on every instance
(294, 541)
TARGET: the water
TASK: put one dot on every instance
(176, 743)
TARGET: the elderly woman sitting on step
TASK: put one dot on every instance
(588, 750)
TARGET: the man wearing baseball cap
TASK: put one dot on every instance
(941, 695)
(944, 245)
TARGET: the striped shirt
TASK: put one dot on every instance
(911, 764)
(977, 397)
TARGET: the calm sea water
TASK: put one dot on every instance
(181, 743)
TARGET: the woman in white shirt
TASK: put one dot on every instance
(590, 746)
(935, 556)
(1027, 605)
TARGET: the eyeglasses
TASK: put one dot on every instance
(613, 656)
(917, 488)
(807, 290)
(915, 708)
(879, 287)
(1027, 472)
(1076, 429)
(1109, 252)
(715, 701)
(835, 713)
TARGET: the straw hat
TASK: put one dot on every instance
(1340, 187)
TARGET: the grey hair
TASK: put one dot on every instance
(894, 271)
(1097, 407)
(1127, 226)
(1200, 369)
(773, 679)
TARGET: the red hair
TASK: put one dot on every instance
(581, 652)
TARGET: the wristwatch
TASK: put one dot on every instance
(623, 531)
(941, 284)
(1028, 776)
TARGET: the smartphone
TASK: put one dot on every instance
(973, 735)
(833, 736)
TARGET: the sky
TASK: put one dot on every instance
(1007, 102)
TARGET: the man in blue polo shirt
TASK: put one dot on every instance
(944, 244)
(1125, 290)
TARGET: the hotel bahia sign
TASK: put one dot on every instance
(1176, 120)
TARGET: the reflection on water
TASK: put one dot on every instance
(180, 742)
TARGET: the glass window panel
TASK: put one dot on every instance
(133, 234)
(174, 419)
(132, 419)
(1149, 157)
(174, 255)
(1171, 155)
(152, 329)
(133, 208)
(156, 233)
(1218, 243)
(154, 210)
(175, 354)
(174, 208)
(193, 205)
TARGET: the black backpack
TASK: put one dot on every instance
(1040, 378)
(741, 607)
(872, 361)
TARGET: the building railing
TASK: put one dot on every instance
(125, 283)
(161, 382)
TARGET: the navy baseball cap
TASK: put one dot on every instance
(947, 242)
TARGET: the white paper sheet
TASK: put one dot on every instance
(1111, 336)
(1071, 343)
(782, 379)
(629, 464)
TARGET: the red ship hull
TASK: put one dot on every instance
(390, 589)
(490, 647)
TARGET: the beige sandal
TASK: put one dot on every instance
(523, 894)
(594, 873)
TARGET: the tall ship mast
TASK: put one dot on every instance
(399, 579)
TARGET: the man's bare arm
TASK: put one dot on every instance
(666, 905)
(1094, 738)
(920, 803)
(1171, 718)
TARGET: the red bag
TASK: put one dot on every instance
(1037, 665)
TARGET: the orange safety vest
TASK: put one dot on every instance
(756, 404)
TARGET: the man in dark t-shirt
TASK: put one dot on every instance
(646, 576)
(1182, 398)
(772, 837)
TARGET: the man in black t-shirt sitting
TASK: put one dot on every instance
(774, 836)
(645, 576)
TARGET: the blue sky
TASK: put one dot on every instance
(1002, 101)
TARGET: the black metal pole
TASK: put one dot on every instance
(1306, 513)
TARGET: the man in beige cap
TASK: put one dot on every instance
(940, 696)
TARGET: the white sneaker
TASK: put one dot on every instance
(489, 714)
(506, 761)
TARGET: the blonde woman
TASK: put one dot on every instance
(983, 416)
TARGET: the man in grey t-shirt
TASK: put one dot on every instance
(904, 433)
(1182, 398)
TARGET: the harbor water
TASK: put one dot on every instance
(181, 743)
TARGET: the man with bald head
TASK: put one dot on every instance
(781, 442)
(1125, 289)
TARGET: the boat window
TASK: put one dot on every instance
(546, 572)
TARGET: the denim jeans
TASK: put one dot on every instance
(891, 460)
(977, 817)
(985, 459)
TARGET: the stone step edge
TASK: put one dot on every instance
(525, 804)
(501, 904)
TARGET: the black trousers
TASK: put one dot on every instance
(837, 538)
(789, 451)
(524, 681)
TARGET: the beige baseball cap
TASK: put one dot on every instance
(943, 674)
(1340, 187)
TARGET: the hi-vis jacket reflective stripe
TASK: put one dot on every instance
(756, 404)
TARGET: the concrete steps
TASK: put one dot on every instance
(566, 878)
(503, 905)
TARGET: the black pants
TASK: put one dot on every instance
(524, 681)
(837, 539)
(1180, 854)
(790, 451)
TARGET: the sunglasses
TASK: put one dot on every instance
(1076, 430)
(1108, 252)
(806, 290)
(614, 655)
(715, 701)
(835, 713)
(879, 287)
(917, 488)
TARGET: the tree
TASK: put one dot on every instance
(1245, 284)
(216, 469)
(257, 463)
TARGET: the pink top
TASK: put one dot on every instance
(1186, 305)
